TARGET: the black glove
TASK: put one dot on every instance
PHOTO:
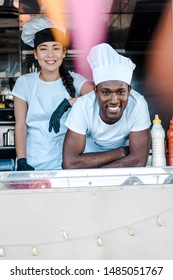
(57, 114)
(23, 166)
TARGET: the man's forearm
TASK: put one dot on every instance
(131, 160)
(94, 160)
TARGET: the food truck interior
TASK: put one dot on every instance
(131, 26)
(88, 214)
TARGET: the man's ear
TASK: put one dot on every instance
(129, 89)
(95, 90)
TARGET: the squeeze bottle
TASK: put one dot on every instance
(170, 143)
(158, 143)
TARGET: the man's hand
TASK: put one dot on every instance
(22, 165)
(57, 114)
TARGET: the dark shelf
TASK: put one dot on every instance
(7, 147)
(7, 152)
(7, 120)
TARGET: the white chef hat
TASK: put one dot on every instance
(106, 64)
(39, 30)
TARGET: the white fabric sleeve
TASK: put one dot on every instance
(141, 118)
(76, 120)
(78, 82)
(20, 89)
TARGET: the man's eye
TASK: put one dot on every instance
(106, 92)
(121, 92)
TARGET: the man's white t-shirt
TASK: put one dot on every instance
(84, 119)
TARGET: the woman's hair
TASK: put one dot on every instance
(67, 80)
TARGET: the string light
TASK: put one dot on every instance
(64, 234)
(34, 251)
(160, 221)
(99, 241)
(131, 230)
(1, 252)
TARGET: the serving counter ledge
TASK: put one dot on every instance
(124, 213)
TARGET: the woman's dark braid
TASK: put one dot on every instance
(67, 80)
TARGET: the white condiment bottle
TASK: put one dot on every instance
(158, 143)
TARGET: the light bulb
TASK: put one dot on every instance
(64, 234)
(1, 252)
(34, 251)
(99, 241)
(159, 221)
(131, 230)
